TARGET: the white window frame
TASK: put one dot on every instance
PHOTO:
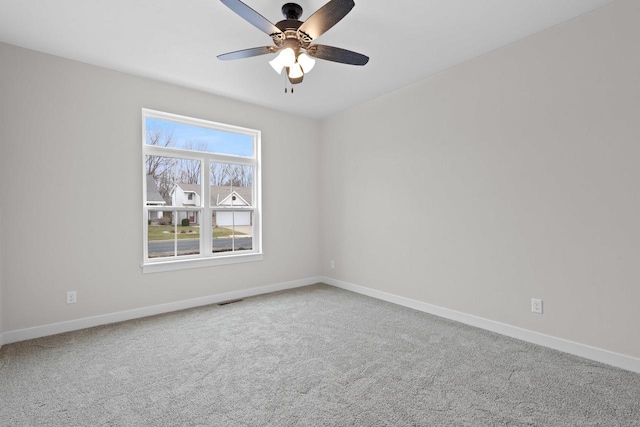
(206, 257)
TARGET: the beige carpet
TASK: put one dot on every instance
(314, 356)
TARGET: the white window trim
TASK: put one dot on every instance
(206, 258)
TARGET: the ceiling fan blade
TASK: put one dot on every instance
(325, 18)
(337, 54)
(248, 53)
(251, 16)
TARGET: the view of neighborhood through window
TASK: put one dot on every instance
(200, 189)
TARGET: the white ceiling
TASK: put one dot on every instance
(177, 41)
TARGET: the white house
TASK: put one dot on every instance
(221, 195)
(186, 195)
(224, 196)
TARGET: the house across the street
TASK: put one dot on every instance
(154, 198)
(221, 195)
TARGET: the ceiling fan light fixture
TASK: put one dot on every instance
(306, 62)
(295, 71)
(292, 38)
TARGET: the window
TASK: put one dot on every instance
(201, 186)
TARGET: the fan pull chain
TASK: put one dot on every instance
(286, 80)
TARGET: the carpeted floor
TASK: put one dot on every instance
(314, 356)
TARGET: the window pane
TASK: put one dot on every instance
(173, 182)
(167, 237)
(164, 133)
(231, 184)
(232, 231)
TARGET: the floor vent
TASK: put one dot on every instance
(230, 301)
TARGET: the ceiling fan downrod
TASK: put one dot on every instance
(291, 11)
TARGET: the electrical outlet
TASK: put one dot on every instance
(536, 305)
(71, 297)
(333, 265)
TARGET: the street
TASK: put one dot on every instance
(160, 248)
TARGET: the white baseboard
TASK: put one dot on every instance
(588, 352)
(88, 322)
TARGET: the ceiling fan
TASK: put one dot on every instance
(293, 38)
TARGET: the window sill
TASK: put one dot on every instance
(183, 264)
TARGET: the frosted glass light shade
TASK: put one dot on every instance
(295, 71)
(286, 58)
(306, 62)
(276, 64)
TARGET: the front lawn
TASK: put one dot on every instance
(167, 232)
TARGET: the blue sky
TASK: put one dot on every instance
(213, 141)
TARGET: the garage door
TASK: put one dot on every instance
(227, 219)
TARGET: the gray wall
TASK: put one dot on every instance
(1, 302)
(71, 191)
(511, 176)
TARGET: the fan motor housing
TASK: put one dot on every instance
(289, 32)
(288, 24)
